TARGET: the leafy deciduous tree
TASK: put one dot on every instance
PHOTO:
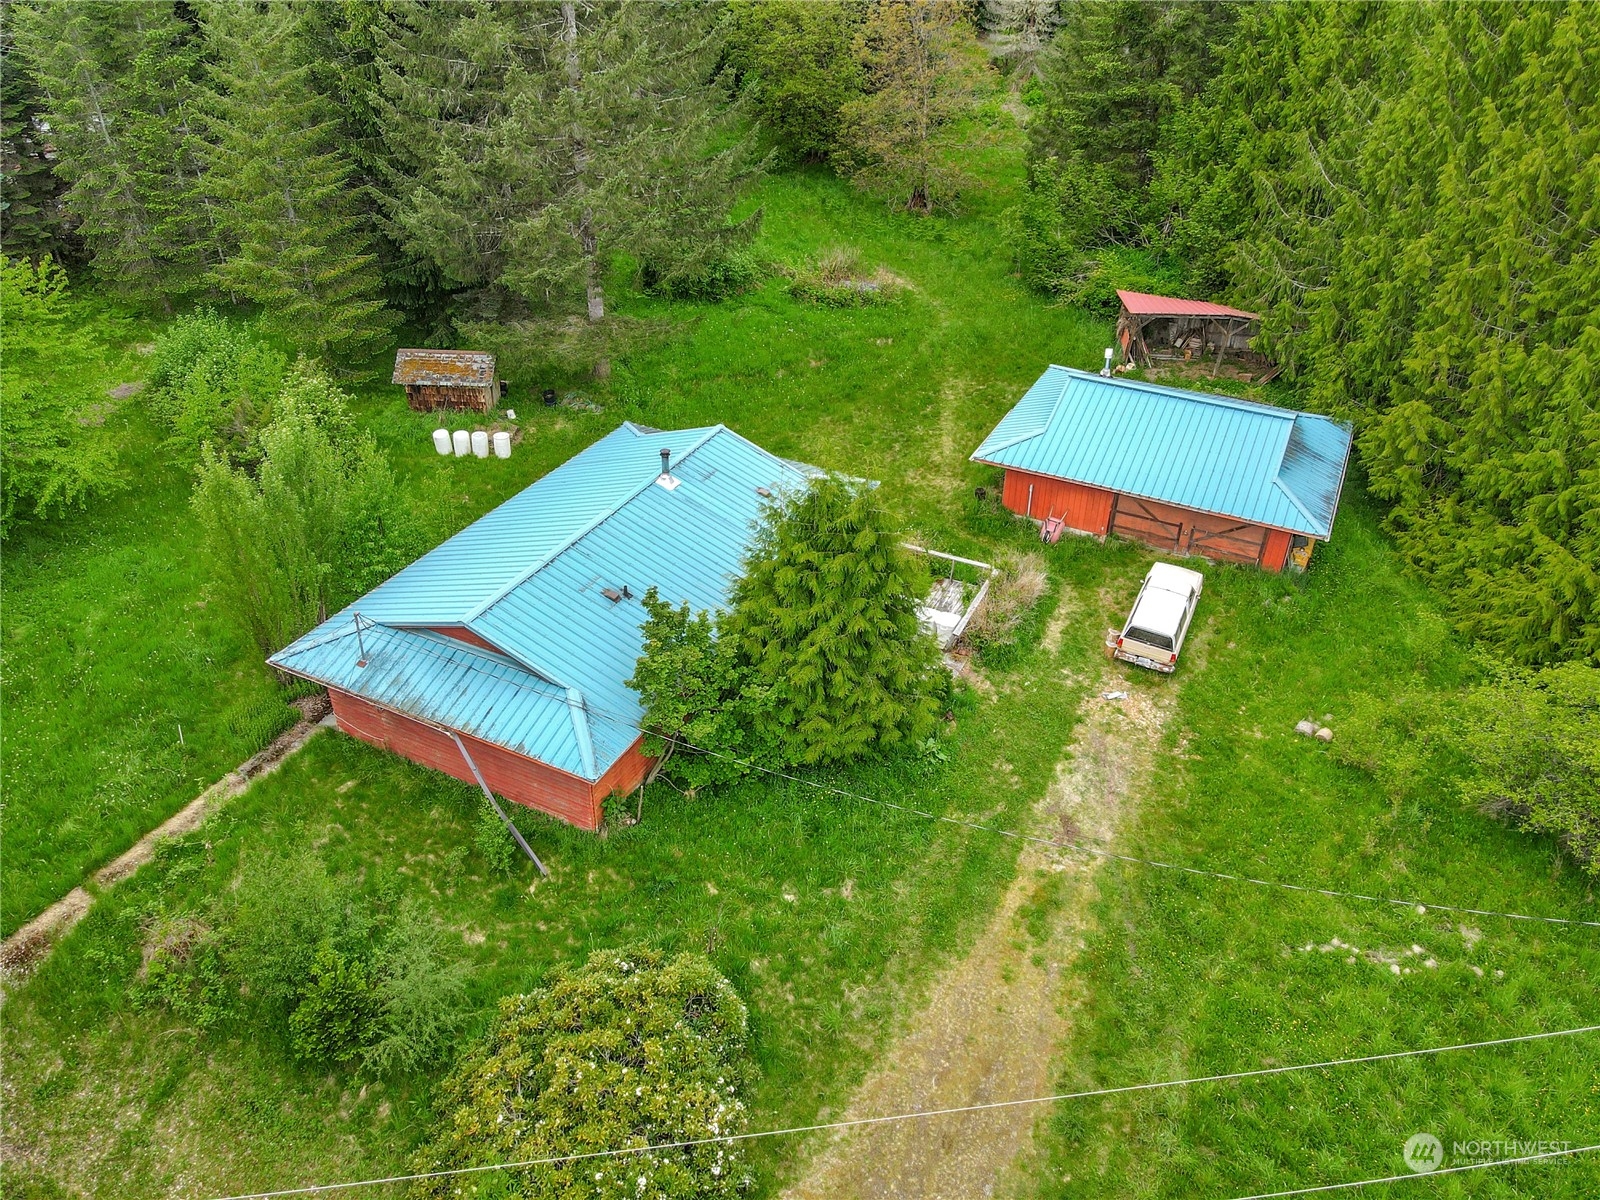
(702, 704)
(321, 521)
(54, 451)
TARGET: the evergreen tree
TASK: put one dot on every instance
(118, 79)
(448, 75)
(342, 42)
(31, 213)
(297, 244)
(900, 140)
(796, 61)
(1114, 75)
(1406, 193)
(544, 140)
(1018, 32)
(825, 617)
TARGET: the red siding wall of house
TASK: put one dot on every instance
(1164, 526)
(527, 781)
(626, 773)
(1086, 509)
(462, 634)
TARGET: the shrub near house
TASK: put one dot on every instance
(630, 1050)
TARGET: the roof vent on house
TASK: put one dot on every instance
(665, 479)
(1106, 370)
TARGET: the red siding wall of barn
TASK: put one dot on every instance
(1276, 552)
(527, 781)
(1086, 509)
(626, 773)
(1164, 526)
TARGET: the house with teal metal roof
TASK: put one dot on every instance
(504, 651)
(1187, 472)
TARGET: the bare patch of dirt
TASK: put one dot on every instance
(997, 1019)
(124, 390)
(33, 941)
(1067, 611)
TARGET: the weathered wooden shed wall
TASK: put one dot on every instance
(426, 397)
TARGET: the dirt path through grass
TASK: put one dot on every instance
(995, 1021)
(24, 948)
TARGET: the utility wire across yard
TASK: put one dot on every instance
(832, 1126)
(1420, 906)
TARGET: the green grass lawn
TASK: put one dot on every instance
(827, 914)
(123, 697)
(108, 645)
(1190, 977)
(900, 393)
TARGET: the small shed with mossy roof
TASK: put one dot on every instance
(448, 379)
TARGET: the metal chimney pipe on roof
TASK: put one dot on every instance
(666, 459)
(1106, 370)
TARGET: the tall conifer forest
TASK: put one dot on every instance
(1410, 194)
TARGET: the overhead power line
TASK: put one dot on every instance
(589, 707)
(1482, 1166)
(1421, 906)
(859, 1122)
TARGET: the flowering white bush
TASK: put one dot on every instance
(630, 1050)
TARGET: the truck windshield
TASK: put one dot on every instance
(1159, 640)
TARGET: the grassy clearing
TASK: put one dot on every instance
(113, 600)
(1186, 976)
(108, 1098)
(1196, 976)
(108, 651)
(827, 915)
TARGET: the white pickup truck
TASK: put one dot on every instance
(1155, 629)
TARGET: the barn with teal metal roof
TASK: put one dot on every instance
(1187, 472)
(516, 635)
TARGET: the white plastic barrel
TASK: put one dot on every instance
(480, 443)
(502, 444)
(462, 442)
(441, 440)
